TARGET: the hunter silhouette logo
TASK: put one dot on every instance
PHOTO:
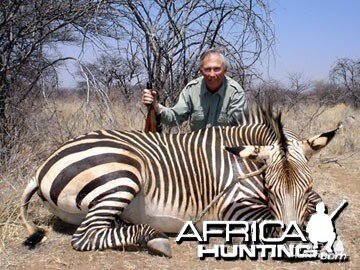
(321, 229)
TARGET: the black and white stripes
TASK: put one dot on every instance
(156, 182)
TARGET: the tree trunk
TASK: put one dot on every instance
(4, 136)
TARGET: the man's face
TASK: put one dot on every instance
(213, 71)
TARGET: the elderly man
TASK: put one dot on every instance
(210, 100)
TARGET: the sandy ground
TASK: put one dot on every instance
(332, 181)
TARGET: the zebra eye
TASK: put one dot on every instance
(257, 149)
(267, 185)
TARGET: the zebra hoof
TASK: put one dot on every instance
(160, 246)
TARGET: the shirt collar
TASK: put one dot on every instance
(220, 92)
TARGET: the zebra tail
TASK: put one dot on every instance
(36, 234)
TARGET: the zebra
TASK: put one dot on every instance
(126, 188)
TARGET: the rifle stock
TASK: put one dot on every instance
(152, 122)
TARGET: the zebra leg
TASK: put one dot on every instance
(100, 230)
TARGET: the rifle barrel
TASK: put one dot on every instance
(337, 210)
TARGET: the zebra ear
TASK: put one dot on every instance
(255, 153)
(314, 144)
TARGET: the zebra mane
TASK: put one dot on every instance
(269, 116)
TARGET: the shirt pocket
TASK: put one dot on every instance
(197, 120)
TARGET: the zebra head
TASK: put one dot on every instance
(287, 178)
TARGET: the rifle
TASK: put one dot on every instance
(337, 211)
(152, 122)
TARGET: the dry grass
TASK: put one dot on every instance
(61, 120)
(311, 120)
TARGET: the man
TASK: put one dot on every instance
(210, 100)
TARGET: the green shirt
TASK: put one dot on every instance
(203, 108)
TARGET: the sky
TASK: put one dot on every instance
(310, 36)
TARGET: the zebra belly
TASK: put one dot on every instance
(143, 211)
(71, 218)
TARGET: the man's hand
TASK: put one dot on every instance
(150, 97)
